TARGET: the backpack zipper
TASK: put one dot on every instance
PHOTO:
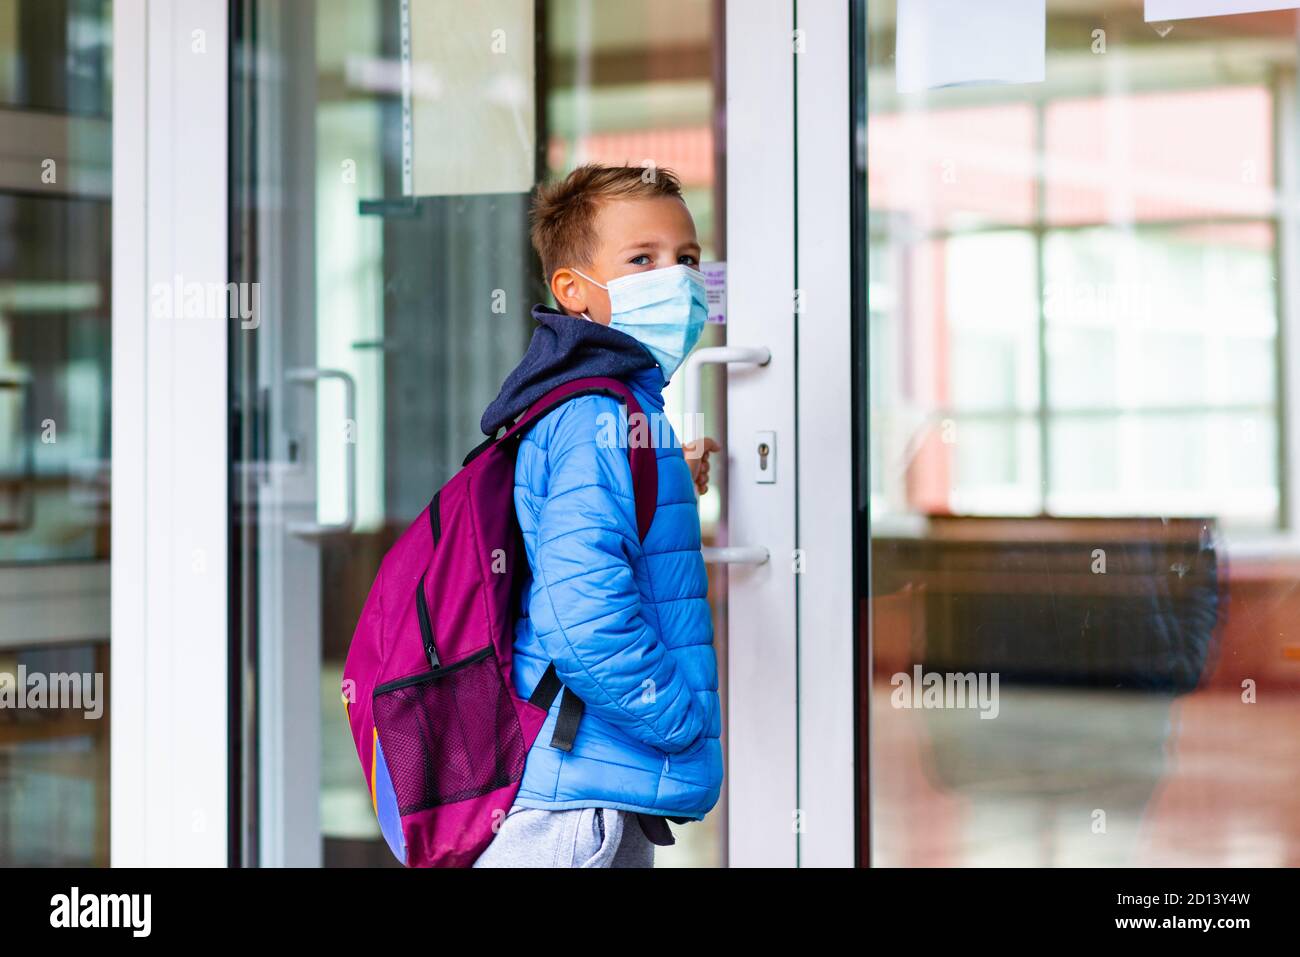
(435, 518)
(440, 673)
(426, 626)
(421, 605)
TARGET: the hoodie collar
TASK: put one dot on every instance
(564, 348)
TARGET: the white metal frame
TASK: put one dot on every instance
(762, 715)
(169, 569)
(791, 718)
(827, 718)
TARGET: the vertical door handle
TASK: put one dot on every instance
(724, 355)
(312, 378)
(715, 355)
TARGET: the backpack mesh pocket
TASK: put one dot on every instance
(449, 735)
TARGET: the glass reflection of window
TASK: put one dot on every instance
(55, 391)
(638, 86)
(1073, 307)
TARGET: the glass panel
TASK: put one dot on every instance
(1078, 475)
(55, 347)
(55, 391)
(57, 56)
(412, 288)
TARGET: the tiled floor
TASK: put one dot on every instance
(1060, 777)
(1088, 778)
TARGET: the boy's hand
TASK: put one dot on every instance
(697, 457)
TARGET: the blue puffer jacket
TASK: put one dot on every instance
(627, 623)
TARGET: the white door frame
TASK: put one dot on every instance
(790, 751)
(825, 397)
(287, 678)
(170, 754)
(791, 719)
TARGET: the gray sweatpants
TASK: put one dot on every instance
(578, 837)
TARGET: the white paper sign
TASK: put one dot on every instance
(968, 42)
(472, 109)
(1157, 10)
(715, 286)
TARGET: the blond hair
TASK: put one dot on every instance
(563, 214)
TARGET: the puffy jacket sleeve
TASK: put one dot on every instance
(591, 619)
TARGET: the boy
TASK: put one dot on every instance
(626, 622)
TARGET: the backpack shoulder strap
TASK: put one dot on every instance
(641, 458)
(645, 488)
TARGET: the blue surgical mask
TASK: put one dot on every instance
(663, 309)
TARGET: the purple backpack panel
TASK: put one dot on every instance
(441, 734)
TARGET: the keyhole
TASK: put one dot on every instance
(763, 451)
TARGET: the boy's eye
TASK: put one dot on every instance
(641, 260)
(687, 259)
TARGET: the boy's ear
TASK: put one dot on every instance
(568, 291)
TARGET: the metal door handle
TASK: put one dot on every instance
(715, 355)
(312, 378)
(725, 355)
(736, 555)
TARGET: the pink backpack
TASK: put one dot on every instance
(441, 734)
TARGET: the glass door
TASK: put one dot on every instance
(789, 548)
(56, 211)
(1076, 306)
(382, 157)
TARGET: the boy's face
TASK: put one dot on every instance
(632, 235)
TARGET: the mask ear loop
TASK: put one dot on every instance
(593, 282)
(588, 278)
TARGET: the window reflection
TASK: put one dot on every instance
(422, 301)
(55, 391)
(1080, 452)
